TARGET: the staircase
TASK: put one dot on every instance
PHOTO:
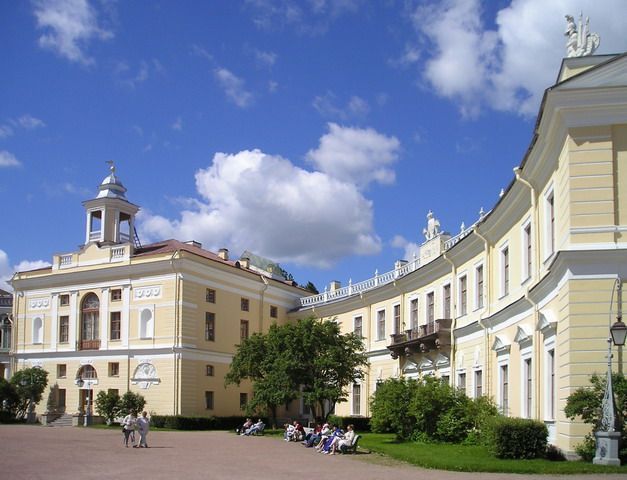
(64, 420)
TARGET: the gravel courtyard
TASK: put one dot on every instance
(35, 452)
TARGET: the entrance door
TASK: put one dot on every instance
(83, 400)
(61, 399)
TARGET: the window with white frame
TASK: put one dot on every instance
(479, 286)
(357, 326)
(430, 307)
(463, 295)
(478, 380)
(446, 300)
(527, 390)
(461, 382)
(381, 325)
(38, 330)
(504, 388)
(549, 223)
(527, 254)
(504, 271)
(550, 384)
(413, 313)
(356, 399)
(397, 318)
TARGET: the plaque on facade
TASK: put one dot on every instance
(145, 375)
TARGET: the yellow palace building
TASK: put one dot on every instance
(516, 306)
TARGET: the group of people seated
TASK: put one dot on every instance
(250, 428)
(326, 439)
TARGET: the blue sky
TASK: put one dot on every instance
(318, 133)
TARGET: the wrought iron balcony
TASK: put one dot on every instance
(89, 344)
(431, 336)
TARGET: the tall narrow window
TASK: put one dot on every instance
(397, 319)
(209, 400)
(479, 285)
(114, 328)
(356, 399)
(551, 384)
(357, 329)
(210, 326)
(243, 400)
(64, 329)
(245, 305)
(90, 312)
(505, 271)
(430, 307)
(461, 382)
(478, 383)
(447, 301)
(528, 387)
(551, 219)
(463, 296)
(504, 389)
(274, 311)
(209, 370)
(527, 247)
(380, 324)
(413, 316)
(243, 329)
(210, 295)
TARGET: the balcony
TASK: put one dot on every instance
(89, 344)
(424, 338)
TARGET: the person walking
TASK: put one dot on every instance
(128, 428)
(143, 425)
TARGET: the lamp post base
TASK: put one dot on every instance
(607, 448)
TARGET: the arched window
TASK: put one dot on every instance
(90, 312)
(146, 324)
(5, 333)
(38, 330)
(87, 372)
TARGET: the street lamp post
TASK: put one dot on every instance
(30, 414)
(80, 382)
(607, 438)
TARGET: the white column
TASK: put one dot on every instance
(104, 318)
(126, 311)
(74, 318)
(54, 321)
(87, 228)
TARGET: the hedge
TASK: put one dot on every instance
(360, 424)
(179, 422)
(518, 438)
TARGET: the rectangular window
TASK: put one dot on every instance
(504, 389)
(461, 382)
(356, 399)
(64, 300)
(463, 295)
(245, 305)
(430, 307)
(413, 315)
(527, 247)
(447, 301)
(209, 400)
(64, 328)
(210, 295)
(528, 387)
(505, 271)
(61, 370)
(551, 384)
(358, 326)
(274, 311)
(380, 324)
(114, 391)
(116, 295)
(479, 285)
(243, 329)
(445, 379)
(115, 326)
(478, 383)
(114, 369)
(209, 370)
(210, 326)
(243, 400)
(397, 319)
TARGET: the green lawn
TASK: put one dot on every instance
(470, 458)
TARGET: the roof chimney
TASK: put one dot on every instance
(335, 285)
(223, 253)
(244, 262)
(194, 243)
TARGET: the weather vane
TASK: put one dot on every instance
(111, 165)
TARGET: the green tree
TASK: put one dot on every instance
(131, 402)
(108, 405)
(310, 287)
(9, 400)
(585, 402)
(29, 384)
(389, 408)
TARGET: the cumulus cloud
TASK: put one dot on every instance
(506, 68)
(233, 87)
(69, 25)
(7, 271)
(25, 122)
(411, 250)
(265, 59)
(266, 204)
(356, 155)
(7, 159)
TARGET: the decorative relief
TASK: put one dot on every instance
(146, 292)
(145, 375)
(40, 303)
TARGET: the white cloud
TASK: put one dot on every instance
(411, 250)
(264, 203)
(356, 155)
(326, 105)
(7, 159)
(509, 67)
(233, 87)
(265, 59)
(273, 86)
(199, 51)
(29, 122)
(125, 77)
(69, 26)
(178, 124)
(7, 271)
(5, 131)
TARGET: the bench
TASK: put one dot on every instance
(352, 448)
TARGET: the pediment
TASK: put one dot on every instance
(546, 322)
(442, 360)
(501, 344)
(523, 335)
(612, 73)
(425, 364)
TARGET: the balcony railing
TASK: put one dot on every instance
(422, 338)
(89, 344)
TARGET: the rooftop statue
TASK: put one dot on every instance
(433, 226)
(579, 41)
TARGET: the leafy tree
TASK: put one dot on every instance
(389, 408)
(131, 402)
(108, 405)
(29, 384)
(585, 402)
(310, 287)
(51, 405)
(9, 400)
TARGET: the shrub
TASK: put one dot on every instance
(179, 422)
(586, 449)
(131, 402)
(518, 438)
(390, 408)
(429, 401)
(554, 454)
(107, 405)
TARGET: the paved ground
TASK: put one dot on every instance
(34, 452)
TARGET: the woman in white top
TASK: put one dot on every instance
(128, 428)
(346, 440)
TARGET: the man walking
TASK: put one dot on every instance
(143, 425)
